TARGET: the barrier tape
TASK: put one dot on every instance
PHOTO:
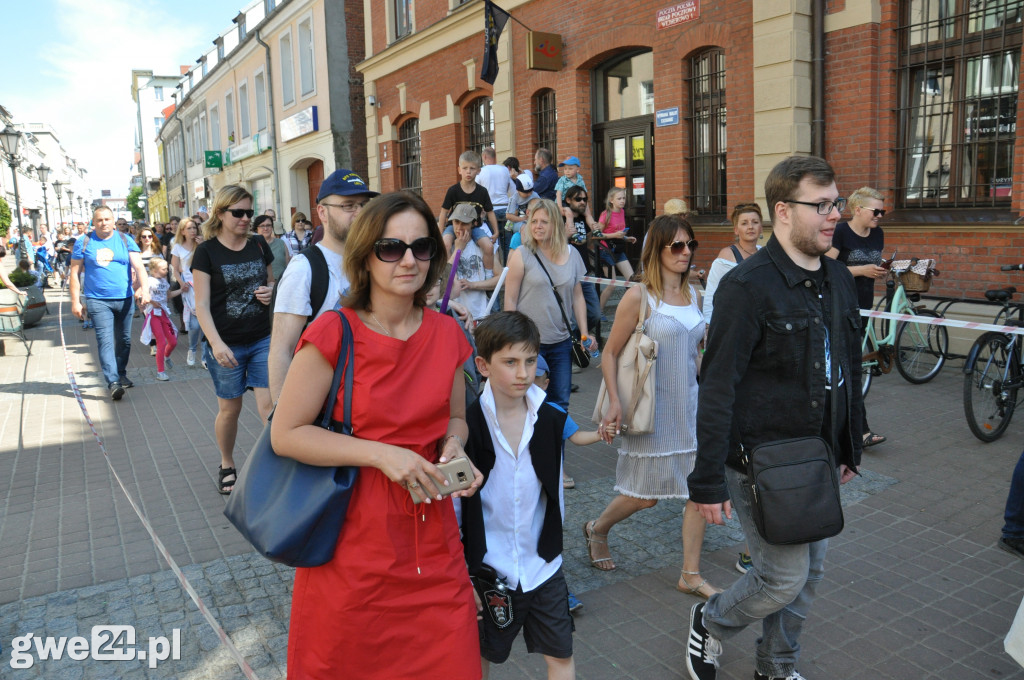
(942, 321)
(225, 640)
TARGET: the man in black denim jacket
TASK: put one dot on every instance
(767, 376)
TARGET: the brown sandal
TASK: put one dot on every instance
(588, 535)
(695, 590)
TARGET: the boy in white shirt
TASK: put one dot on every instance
(513, 526)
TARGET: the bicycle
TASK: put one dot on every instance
(993, 370)
(918, 350)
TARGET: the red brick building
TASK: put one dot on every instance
(698, 100)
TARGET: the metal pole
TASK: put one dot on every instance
(46, 214)
(14, 163)
(60, 211)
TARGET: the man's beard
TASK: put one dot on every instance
(336, 231)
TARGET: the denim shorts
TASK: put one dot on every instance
(251, 371)
(477, 233)
(610, 257)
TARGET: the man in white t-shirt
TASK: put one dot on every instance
(496, 179)
(342, 195)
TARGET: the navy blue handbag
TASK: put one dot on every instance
(292, 512)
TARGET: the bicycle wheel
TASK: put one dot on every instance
(881, 325)
(865, 381)
(989, 405)
(921, 349)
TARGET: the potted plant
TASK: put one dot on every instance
(35, 303)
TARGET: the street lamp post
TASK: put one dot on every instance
(57, 186)
(71, 205)
(44, 174)
(10, 138)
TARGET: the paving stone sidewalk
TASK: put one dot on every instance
(914, 587)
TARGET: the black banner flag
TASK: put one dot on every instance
(494, 22)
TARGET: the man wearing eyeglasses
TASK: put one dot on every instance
(784, 349)
(342, 195)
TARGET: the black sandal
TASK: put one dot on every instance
(225, 487)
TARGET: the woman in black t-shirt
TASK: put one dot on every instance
(858, 244)
(233, 283)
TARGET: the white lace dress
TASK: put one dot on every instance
(656, 465)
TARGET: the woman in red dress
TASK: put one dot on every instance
(395, 601)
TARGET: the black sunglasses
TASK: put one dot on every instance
(677, 246)
(580, 200)
(239, 213)
(877, 212)
(393, 249)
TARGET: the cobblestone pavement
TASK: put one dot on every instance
(914, 586)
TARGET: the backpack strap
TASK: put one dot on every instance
(320, 281)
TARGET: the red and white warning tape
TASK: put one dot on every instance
(942, 321)
(203, 609)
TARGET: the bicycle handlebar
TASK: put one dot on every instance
(1011, 267)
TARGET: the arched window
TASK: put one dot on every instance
(479, 119)
(545, 122)
(707, 132)
(409, 155)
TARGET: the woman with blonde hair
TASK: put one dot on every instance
(184, 247)
(233, 282)
(654, 466)
(747, 227)
(529, 290)
(398, 569)
(612, 223)
(301, 234)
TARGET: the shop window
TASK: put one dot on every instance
(409, 156)
(959, 70)
(479, 119)
(707, 132)
(625, 88)
(545, 122)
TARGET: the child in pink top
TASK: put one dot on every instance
(612, 224)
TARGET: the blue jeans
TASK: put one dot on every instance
(195, 334)
(113, 322)
(559, 358)
(1014, 517)
(593, 306)
(777, 591)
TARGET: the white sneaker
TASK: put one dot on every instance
(152, 351)
(203, 362)
(162, 376)
(190, 358)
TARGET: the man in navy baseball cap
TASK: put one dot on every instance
(343, 194)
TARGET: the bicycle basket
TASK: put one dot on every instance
(916, 276)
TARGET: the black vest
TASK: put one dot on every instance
(546, 454)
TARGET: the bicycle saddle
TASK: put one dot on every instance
(1000, 295)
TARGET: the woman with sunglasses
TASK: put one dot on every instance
(233, 282)
(655, 466)
(185, 242)
(528, 290)
(746, 225)
(398, 572)
(858, 243)
(264, 226)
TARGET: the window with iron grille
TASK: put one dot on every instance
(707, 132)
(409, 156)
(959, 67)
(545, 122)
(479, 124)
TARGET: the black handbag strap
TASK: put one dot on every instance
(345, 365)
(561, 307)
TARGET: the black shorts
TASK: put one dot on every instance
(543, 616)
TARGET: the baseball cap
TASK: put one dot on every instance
(523, 183)
(542, 366)
(464, 212)
(344, 182)
(571, 160)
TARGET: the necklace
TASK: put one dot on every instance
(745, 250)
(382, 326)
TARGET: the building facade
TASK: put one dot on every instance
(276, 106)
(699, 100)
(151, 94)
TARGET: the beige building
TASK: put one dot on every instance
(273, 102)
